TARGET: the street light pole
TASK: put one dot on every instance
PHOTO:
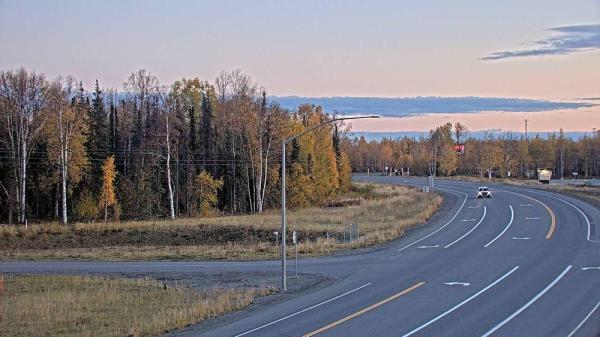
(283, 194)
(283, 218)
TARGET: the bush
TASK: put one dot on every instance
(86, 208)
(207, 188)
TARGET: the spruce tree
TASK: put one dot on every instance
(192, 135)
(207, 133)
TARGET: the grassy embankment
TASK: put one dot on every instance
(67, 306)
(382, 212)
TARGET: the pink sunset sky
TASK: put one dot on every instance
(583, 119)
(536, 49)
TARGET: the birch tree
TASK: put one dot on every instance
(22, 103)
(67, 134)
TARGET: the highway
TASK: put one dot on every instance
(523, 263)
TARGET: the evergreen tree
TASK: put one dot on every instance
(207, 133)
(336, 142)
(295, 154)
(192, 137)
(98, 142)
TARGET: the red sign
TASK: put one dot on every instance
(459, 148)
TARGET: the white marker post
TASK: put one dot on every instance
(295, 240)
(276, 238)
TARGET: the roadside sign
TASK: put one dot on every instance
(459, 148)
(294, 237)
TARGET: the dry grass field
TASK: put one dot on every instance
(382, 213)
(48, 306)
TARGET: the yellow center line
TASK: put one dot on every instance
(360, 312)
(552, 216)
(553, 224)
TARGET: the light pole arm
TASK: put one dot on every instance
(324, 123)
(283, 199)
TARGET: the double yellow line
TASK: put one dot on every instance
(362, 311)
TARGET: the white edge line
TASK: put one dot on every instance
(584, 320)
(512, 215)
(470, 231)
(589, 225)
(303, 310)
(446, 224)
(531, 301)
(461, 303)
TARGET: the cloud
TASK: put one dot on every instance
(565, 40)
(411, 106)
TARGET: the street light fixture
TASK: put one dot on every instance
(283, 201)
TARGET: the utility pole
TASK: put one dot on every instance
(562, 164)
(284, 143)
(526, 138)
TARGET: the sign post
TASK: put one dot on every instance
(295, 240)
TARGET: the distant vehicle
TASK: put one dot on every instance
(484, 192)
(544, 176)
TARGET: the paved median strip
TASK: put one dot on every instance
(360, 312)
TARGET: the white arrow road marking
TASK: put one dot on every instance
(464, 284)
(465, 220)
(523, 238)
(525, 205)
(534, 218)
(590, 268)
(421, 247)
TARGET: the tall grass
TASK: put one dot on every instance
(96, 306)
(383, 215)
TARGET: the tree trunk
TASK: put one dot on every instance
(22, 201)
(56, 200)
(64, 194)
(171, 205)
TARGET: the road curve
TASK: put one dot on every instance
(523, 263)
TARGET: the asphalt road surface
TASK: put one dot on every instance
(523, 263)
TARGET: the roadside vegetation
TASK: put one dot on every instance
(380, 213)
(68, 306)
(152, 150)
(495, 155)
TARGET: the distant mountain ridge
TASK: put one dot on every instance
(575, 135)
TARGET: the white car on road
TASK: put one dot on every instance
(484, 192)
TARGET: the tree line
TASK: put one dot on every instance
(149, 150)
(493, 155)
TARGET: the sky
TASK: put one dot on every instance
(536, 49)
